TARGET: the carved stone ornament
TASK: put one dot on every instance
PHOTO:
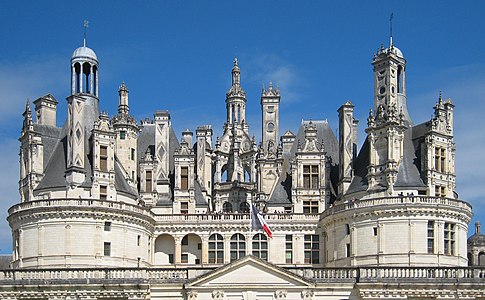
(307, 294)
(280, 294)
(191, 295)
(217, 295)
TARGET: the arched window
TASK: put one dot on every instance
(238, 246)
(216, 249)
(400, 80)
(244, 207)
(227, 207)
(260, 246)
(481, 259)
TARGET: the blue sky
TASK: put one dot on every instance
(177, 55)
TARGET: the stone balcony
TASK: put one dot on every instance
(390, 202)
(158, 275)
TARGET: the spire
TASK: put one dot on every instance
(123, 107)
(28, 123)
(86, 25)
(236, 74)
(390, 30)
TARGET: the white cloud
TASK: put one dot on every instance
(28, 80)
(465, 85)
(284, 75)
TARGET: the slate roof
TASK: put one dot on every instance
(55, 160)
(200, 200)
(408, 174)
(282, 190)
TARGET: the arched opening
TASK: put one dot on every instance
(216, 249)
(244, 207)
(191, 249)
(227, 207)
(224, 174)
(77, 79)
(400, 80)
(164, 250)
(95, 81)
(260, 246)
(238, 246)
(469, 256)
(247, 175)
(481, 259)
(86, 78)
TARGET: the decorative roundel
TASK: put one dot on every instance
(270, 127)
(382, 90)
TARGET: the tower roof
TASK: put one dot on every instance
(83, 53)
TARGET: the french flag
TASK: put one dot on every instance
(258, 222)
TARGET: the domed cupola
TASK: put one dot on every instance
(84, 70)
(476, 247)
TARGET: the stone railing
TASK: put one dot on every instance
(91, 203)
(400, 200)
(224, 217)
(400, 274)
(154, 275)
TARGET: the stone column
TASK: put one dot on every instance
(178, 250)
(205, 250)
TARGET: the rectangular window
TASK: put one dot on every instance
(312, 248)
(310, 206)
(184, 258)
(375, 231)
(107, 249)
(132, 156)
(347, 250)
(430, 236)
(184, 207)
(138, 238)
(170, 258)
(289, 249)
(310, 177)
(347, 229)
(122, 135)
(103, 158)
(148, 181)
(103, 192)
(439, 159)
(107, 226)
(184, 178)
(439, 191)
(449, 239)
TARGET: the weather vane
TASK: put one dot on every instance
(86, 25)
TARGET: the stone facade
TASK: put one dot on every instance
(113, 208)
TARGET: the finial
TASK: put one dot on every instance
(477, 227)
(440, 98)
(235, 61)
(390, 27)
(271, 85)
(86, 25)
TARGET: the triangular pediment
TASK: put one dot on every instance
(249, 271)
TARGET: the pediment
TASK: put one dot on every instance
(249, 271)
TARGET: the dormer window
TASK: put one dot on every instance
(310, 177)
(103, 158)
